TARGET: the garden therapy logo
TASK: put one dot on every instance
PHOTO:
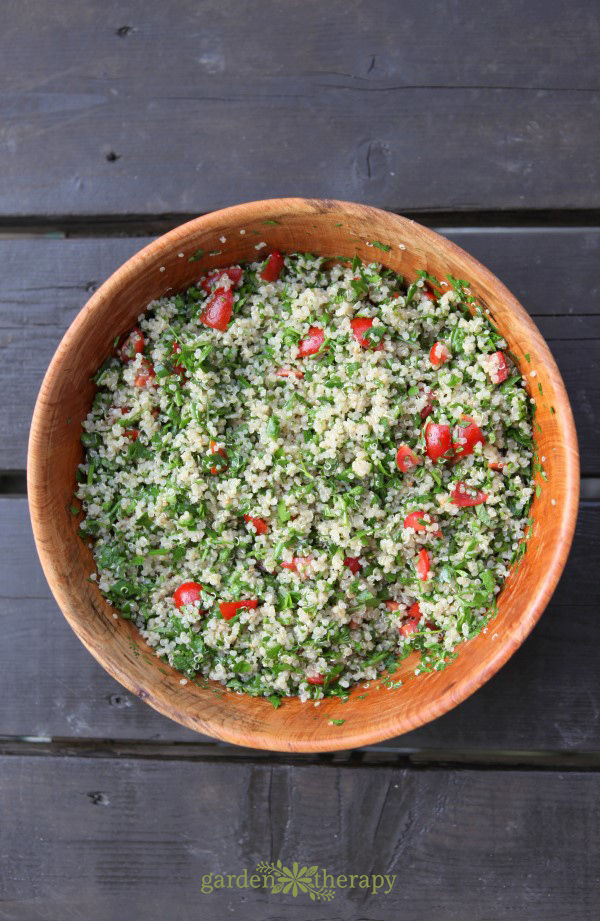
(318, 884)
(305, 879)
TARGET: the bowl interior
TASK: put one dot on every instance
(177, 260)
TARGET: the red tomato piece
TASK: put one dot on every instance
(439, 354)
(360, 327)
(312, 343)
(429, 295)
(289, 372)
(498, 368)
(428, 408)
(409, 626)
(259, 524)
(297, 561)
(217, 310)
(423, 565)
(438, 440)
(353, 564)
(177, 368)
(214, 450)
(465, 496)
(496, 465)
(132, 433)
(466, 437)
(187, 593)
(230, 608)
(406, 459)
(132, 345)
(392, 605)
(273, 266)
(317, 679)
(417, 522)
(145, 374)
(210, 281)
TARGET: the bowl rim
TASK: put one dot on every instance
(448, 698)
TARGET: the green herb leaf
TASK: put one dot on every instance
(282, 512)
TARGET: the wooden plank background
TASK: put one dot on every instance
(123, 107)
(142, 834)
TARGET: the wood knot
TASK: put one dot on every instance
(372, 161)
(119, 701)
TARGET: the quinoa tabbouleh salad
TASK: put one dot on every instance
(298, 472)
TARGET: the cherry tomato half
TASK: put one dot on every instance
(406, 459)
(187, 593)
(210, 281)
(145, 374)
(259, 524)
(312, 343)
(423, 565)
(498, 368)
(464, 496)
(439, 354)
(360, 328)
(438, 440)
(353, 564)
(273, 266)
(416, 521)
(132, 345)
(217, 310)
(229, 609)
(466, 436)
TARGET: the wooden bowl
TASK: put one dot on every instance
(328, 228)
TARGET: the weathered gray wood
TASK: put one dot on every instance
(142, 107)
(43, 283)
(545, 699)
(103, 839)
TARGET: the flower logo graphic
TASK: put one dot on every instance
(298, 879)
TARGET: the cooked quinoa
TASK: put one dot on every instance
(296, 473)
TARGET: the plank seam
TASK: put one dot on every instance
(409, 759)
(465, 220)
